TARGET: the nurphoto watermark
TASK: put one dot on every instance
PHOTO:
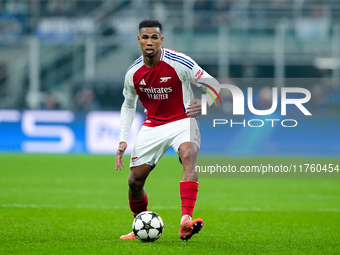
(238, 108)
(259, 130)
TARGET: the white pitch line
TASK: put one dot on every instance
(118, 207)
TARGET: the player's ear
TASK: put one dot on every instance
(162, 38)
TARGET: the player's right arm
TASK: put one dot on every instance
(119, 156)
(127, 114)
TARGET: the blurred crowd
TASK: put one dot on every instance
(207, 13)
(21, 17)
(49, 7)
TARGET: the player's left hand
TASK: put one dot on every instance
(194, 108)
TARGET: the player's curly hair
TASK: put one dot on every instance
(150, 23)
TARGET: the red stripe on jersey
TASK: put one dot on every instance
(160, 92)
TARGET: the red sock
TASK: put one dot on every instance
(138, 206)
(188, 192)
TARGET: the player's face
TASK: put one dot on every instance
(150, 40)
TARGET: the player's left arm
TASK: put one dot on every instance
(202, 79)
(194, 109)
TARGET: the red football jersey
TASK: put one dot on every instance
(164, 90)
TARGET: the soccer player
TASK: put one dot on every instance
(161, 79)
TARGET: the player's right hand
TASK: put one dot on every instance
(119, 156)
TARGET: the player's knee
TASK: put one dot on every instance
(135, 184)
(188, 153)
(185, 156)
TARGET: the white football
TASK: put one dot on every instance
(148, 226)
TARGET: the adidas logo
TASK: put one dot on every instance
(142, 82)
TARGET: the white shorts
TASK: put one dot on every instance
(153, 142)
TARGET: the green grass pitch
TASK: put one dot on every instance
(77, 204)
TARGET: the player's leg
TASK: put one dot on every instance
(137, 195)
(149, 148)
(188, 153)
(138, 199)
(186, 144)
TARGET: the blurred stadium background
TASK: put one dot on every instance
(72, 55)
(62, 66)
